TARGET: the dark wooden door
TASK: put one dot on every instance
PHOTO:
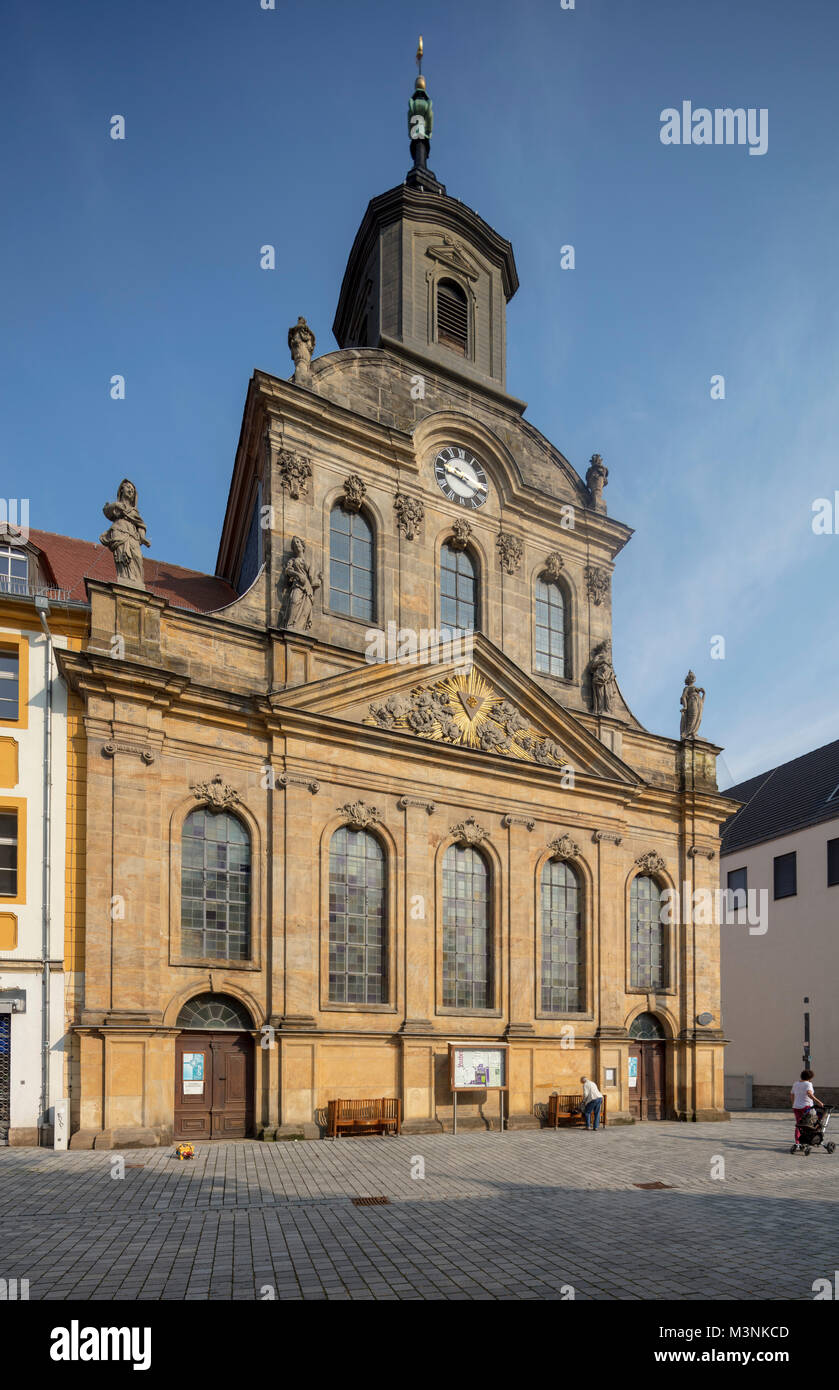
(635, 1080)
(652, 1094)
(646, 1068)
(213, 1085)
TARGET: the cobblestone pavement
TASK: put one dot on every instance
(523, 1215)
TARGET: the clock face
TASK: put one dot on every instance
(460, 477)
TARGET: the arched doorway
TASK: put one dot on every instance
(214, 1069)
(647, 1069)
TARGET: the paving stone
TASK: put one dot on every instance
(519, 1216)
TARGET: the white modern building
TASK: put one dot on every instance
(780, 962)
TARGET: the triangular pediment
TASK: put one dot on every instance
(477, 701)
(450, 253)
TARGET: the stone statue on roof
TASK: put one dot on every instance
(691, 704)
(126, 535)
(301, 343)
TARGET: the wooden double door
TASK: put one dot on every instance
(213, 1085)
(647, 1081)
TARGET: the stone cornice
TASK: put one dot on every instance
(93, 672)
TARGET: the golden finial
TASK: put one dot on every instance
(419, 53)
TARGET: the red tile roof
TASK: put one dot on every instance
(72, 561)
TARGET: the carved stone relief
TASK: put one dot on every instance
(359, 815)
(217, 795)
(553, 565)
(469, 832)
(597, 584)
(409, 514)
(510, 551)
(294, 472)
(461, 534)
(355, 490)
(465, 709)
(564, 848)
(651, 862)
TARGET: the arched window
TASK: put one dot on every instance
(452, 317)
(467, 944)
(647, 1028)
(458, 589)
(562, 946)
(648, 967)
(214, 1011)
(215, 887)
(357, 963)
(351, 563)
(550, 628)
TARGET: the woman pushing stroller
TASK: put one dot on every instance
(804, 1099)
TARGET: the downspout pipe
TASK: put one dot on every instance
(42, 608)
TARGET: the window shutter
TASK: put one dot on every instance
(452, 320)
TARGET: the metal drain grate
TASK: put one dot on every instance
(371, 1201)
(649, 1186)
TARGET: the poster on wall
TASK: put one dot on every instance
(633, 1071)
(477, 1068)
(193, 1073)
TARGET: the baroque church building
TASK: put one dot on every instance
(373, 787)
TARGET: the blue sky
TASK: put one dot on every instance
(247, 126)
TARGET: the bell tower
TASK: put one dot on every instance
(426, 276)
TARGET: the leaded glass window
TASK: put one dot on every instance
(467, 945)
(215, 886)
(646, 935)
(562, 979)
(550, 628)
(357, 967)
(458, 590)
(646, 1027)
(214, 1011)
(350, 564)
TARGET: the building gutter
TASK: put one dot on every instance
(42, 607)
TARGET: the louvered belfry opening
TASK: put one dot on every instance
(452, 317)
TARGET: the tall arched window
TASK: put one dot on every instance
(550, 628)
(453, 317)
(562, 946)
(458, 589)
(467, 943)
(648, 967)
(351, 564)
(357, 961)
(215, 886)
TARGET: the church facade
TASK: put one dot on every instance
(387, 795)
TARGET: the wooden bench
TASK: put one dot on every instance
(382, 1116)
(569, 1109)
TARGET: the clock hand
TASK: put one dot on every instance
(464, 477)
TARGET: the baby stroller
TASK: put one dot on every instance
(812, 1130)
